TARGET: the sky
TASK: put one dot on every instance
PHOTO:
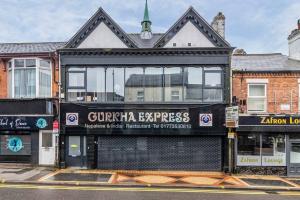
(258, 26)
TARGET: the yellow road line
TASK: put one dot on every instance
(50, 175)
(124, 189)
(289, 193)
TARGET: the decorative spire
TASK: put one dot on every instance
(146, 24)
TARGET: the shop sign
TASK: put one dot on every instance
(248, 160)
(277, 160)
(269, 120)
(71, 119)
(232, 117)
(132, 119)
(206, 119)
(55, 126)
(25, 123)
(137, 120)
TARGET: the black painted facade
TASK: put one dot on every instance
(20, 124)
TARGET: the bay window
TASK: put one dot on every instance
(144, 84)
(29, 78)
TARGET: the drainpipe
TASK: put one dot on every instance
(59, 101)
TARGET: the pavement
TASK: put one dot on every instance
(27, 175)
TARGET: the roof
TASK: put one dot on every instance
(41, 47)
(203, 26)
(264, 63)
(136, 37)
(92, 23)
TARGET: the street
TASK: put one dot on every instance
(35, 192)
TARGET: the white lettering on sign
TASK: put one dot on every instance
(148, 117)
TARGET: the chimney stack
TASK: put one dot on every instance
(294, 43)
(218, 24)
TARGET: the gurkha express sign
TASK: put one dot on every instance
(269, 120)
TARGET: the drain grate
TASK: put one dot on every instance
(80, 177)
(262, 182)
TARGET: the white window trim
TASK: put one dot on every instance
(262, 81)
(257, 97)
(176, 95)
(37, 62)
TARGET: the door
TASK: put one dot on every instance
(46, 148)
(76, 151)
(294, 166)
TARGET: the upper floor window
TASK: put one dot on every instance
(145, 84)
(257, 97)
(29, 78)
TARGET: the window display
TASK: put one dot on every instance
(15, 145)
(261, 150)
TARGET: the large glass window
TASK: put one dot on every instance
(115, 84)
(45, 78)
(76, 79)
(153, 84)
(134, 84)
(29, 78)
(15, 145)
(261, 150)
(273, 150)
(173, 78)
(144, 84)
(193, 83)
(95, 84)
(213, 90)
(249, 144)
(257, 97)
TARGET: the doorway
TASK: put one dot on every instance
(294, 165)
(47, 148)
(76, 151)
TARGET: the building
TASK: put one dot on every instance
(145, 100)
(266, 87)
(28, 102)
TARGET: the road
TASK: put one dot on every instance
(32, 192)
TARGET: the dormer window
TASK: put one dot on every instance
(29, 78)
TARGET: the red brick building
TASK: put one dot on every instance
(266, 87)
(29, 76)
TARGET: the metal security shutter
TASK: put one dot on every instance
(160, 153)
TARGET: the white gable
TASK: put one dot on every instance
(102, 37)
(189, 34)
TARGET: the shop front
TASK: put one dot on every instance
(268, 144)
(143, 137)
(22, 136)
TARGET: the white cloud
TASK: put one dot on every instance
(257, 26)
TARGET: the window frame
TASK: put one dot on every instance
(205, 69)
(11, 83)
(257, 97)
(261, 155)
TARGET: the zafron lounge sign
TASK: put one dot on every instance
(269, 120)
(138, 120)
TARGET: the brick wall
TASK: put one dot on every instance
(3, 79)
(282, 88)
